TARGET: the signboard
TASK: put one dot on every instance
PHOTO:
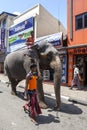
(2, 38)
(19, 33)
(54, 39)
(64, 69)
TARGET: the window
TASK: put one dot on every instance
(4, 23)
(79, 22)
(85, 20)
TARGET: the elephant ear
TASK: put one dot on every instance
(26, 63)
(35, 47)
(49, 56)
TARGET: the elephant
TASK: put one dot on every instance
(17, 64)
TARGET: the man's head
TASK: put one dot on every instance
(32, 33)
(33, 67)
(76, 65)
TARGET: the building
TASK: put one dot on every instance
(37, 19)
(77, 38)
(6, 20)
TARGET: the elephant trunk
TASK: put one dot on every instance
(56, 65)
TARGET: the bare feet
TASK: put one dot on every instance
(34, 121)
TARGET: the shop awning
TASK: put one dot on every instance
(77, 46)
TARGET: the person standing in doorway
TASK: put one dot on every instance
(76, 78)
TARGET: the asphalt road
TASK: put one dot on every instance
(12, 116)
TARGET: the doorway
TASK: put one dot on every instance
(81, 61)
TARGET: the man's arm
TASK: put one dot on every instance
(26, 83)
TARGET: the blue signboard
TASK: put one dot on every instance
(64, 69)
(19, 33)
(2, 38)
(21, 26)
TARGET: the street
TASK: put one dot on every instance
(12, 116)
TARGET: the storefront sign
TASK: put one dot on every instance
(82, 50)
(19, 33)
(54, 39)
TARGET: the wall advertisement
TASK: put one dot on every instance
(19, 33)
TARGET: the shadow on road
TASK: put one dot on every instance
(69, 108)
(20, 95)
(42, 119)
(66, 107)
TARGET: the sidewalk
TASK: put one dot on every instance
(78, 96)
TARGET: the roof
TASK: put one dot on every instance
(8, 14)
(5, 14)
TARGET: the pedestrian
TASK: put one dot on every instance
(76, 77)
(31, 87)
(30, 39)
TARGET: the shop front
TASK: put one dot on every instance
(78, 56)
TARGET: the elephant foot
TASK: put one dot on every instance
(57, 107)
(13, 93)
(43, 105)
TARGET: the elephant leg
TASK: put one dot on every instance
(57, 95)
(41, 94)
(57, 91)
(13, 87)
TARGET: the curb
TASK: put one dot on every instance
(73, 100)
(78, 101)
(53, 95)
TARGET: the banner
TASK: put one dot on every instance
(64, 68)
(19, 33)
(54, 39)
(2, 38)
